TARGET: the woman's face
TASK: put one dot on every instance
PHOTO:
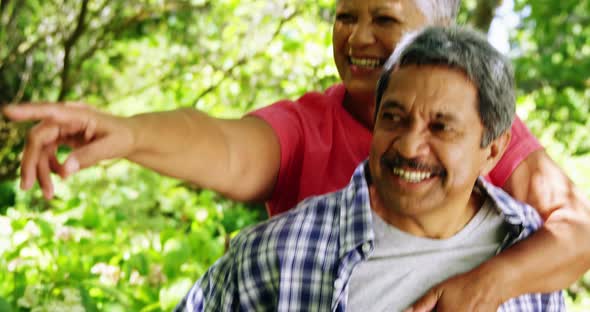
(365, 33)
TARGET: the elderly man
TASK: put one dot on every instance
(414, 214)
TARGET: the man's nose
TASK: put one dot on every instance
(412, 143)
(362, 34)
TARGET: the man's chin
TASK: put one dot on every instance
(412, 206)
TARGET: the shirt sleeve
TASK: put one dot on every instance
(522, 144)
(285, 119)
(214, 291)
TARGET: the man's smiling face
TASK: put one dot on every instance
(426, 152)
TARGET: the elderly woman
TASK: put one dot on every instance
(291, 150)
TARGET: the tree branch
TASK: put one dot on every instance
(162, 79)
(15, 9)
(14, 54)
(24, 81)
(112, 29)
(229, 72)
(3, 4)
(68, 45)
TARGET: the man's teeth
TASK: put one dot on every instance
(371, 63)
(412, 176)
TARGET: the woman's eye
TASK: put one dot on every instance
(385, 20)
(345, 17)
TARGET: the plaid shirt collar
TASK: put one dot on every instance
(356, 227)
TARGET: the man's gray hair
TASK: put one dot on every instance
(439, 12)
(470, 52)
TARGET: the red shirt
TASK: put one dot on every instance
(321, 145)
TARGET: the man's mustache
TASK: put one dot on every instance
(397, 161)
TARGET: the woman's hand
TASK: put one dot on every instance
(92, 135)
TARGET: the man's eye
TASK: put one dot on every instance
(439, 127)
(385, 20)
(391, 117)
(345, 18)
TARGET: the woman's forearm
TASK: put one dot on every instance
(238, 158)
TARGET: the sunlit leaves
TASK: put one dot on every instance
(554, 66)
(123, 237)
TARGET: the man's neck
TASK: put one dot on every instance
(438, 224)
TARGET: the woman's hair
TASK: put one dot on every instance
(439, 12)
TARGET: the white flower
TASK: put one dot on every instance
(25, 302)
(32, 228)
(30, 297)
(64, 233)
(71, 295)
(98, 268)
(136, 278)
(76, 308)
(5, 227)
(108, 274)
(156, 277)
(57, 306)
(14, 264)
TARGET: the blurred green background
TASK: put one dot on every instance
(121, 238)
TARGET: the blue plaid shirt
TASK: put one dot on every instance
(302, 260)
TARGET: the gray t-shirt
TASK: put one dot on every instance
(403, 267)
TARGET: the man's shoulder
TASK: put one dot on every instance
(316, 213)
(513, 210)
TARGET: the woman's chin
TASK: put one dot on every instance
(360, 89)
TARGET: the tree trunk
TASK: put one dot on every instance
(11, 142)
(484, 14)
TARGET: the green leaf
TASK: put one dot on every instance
(4, 305)
(87, 300)
(171, 294)
(7, 196)
(45, 227)
(176, 252)
(140, 263)
(91, 218)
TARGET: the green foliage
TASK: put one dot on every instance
(11, 138)
(552, 57)
(116, 237)
(121, 238)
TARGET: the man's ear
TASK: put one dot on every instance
(494, 152)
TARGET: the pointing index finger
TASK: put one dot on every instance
(31, 112)
(57, 113)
